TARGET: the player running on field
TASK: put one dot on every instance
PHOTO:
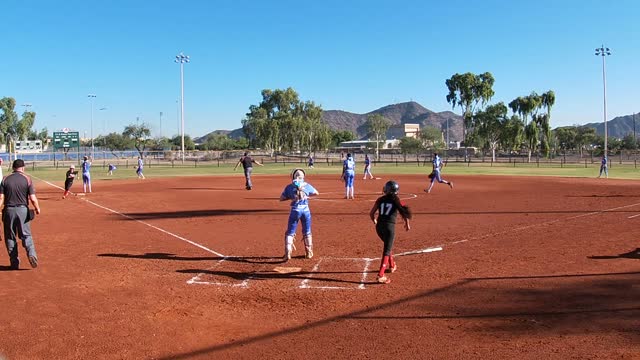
(348, 175)
(139, 168)
(388, 206)
(86, 174)
(367, 167)
(111, 169)
(435, 174)
(71, 175)
(298, 192)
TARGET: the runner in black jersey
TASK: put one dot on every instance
(388, 206)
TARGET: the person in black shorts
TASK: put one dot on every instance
(71, 175)
(247, 163)
(388, 206)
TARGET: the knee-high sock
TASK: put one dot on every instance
(383, 265)
(308, 240)
(288, 243)
(392, 262)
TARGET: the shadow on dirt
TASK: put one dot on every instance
(197, 213)
(270, 275)
(207, 189)
(517, 306)
(634, 254)
(168, 256)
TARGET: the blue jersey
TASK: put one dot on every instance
(86, 167)
(367, 161)
(112, 167)
(291, 192)
(140, 163)
(437, 163)
(604, 161)
(349, 165)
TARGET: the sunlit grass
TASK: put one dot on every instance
(617, 171)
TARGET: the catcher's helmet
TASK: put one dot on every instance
(391, 187)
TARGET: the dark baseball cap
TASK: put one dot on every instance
(18, 163)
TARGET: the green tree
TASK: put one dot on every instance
(567, 136)
(139, 135)
(411, 145)
(527, 107)
(431, 138)
(113, 142)
(511, 136)
(468, 91)
(629, 142)
(41, 135)
(490, 124)
(176, 141)
(547, 100)
(12, 128)
(585, 138)
(275, 121)
(377, 126)
(340, 136)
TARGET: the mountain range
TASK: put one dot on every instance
(618, 127)
(413, 113)
(399, 114)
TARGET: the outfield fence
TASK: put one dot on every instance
(129, 158)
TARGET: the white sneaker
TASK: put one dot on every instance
(308, 252)
(287, 256)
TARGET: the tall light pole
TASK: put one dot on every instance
(604, 52)
(160, 124)
(181, 59)
(104, 122)
(91, 97)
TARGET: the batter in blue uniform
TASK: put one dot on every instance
(298, 192)
(435, 174)
(348, 175)
(86, 174)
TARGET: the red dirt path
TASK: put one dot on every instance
(538, 276)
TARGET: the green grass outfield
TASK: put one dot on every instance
(617, 171)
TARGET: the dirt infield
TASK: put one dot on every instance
(189, 268)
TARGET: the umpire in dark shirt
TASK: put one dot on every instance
(15, 192)
(247, 163)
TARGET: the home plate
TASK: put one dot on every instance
(286, 270)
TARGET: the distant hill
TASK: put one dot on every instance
(618, 127)
(399, 114)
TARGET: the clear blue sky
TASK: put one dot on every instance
(352, 55)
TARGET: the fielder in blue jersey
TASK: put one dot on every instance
(139, 168)
(435, 173)
(111, 169)
(604, 168)
(86, 174)
(367, 167)
(298, 192)
(348, 175)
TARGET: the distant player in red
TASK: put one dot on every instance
(388, 206)
(71, 175)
